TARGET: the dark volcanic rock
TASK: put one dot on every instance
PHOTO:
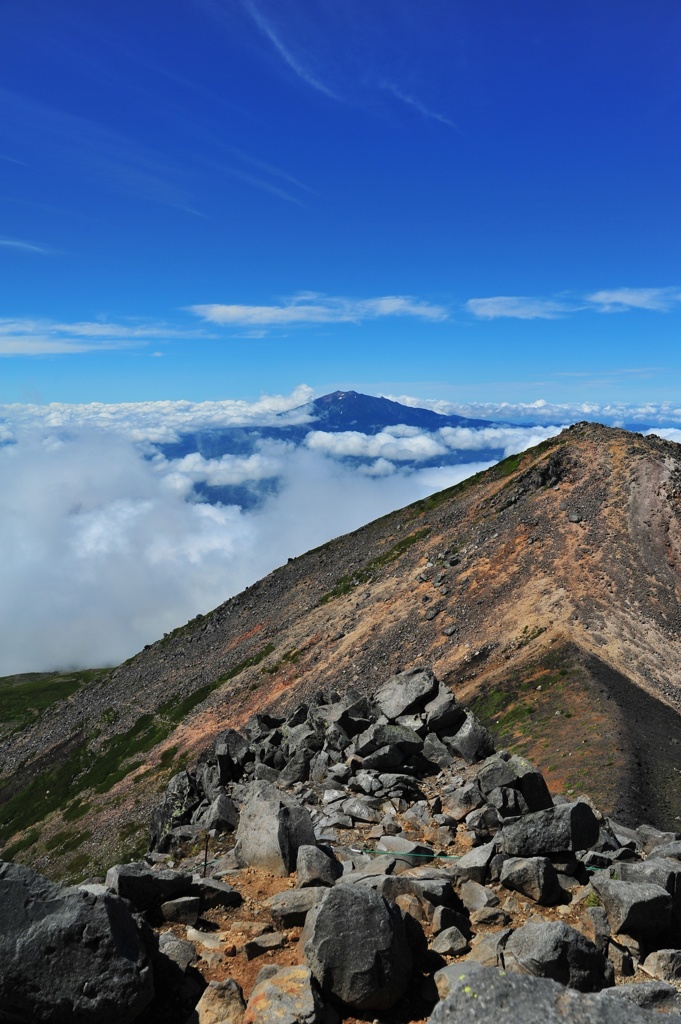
(481, 995)
(557, 951)
(567, 827)
(355, 945)
(147, 888)
(532, 876)
(68, 956)
(271, 829)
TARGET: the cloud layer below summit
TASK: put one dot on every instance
(104, 545)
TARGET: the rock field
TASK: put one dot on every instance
(363, 858)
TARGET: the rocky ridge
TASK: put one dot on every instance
(431, 875)
(545, 592)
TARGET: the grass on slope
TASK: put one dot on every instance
(23, 698)
(348, 583)
(63, 785)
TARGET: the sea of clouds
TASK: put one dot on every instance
(104, 544)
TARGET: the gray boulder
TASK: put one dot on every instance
(355, 944)
(472, 741)
(222, 1002)
(534, 877)
(215, 893)
(473, 865)
(181, 798)
(664, 964)
(481, 995)
(232, 752)
(288, 909)
(271, 829)
(222, 815)
(443, 711)
(636, 908)
(314, 867)
(450, 942)
(68, 956)
(566, 827)
(557, 951)
(406, 692)
(147, 888)
(458, 801)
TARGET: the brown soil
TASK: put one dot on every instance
(567, 558)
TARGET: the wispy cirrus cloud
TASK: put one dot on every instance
(312, 308)
(416, 104)
(621, 300)
(36, 337)
(615, 300)
(519, 307)
(295, 63)
(22, 246)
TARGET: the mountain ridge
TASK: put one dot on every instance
(542, 585)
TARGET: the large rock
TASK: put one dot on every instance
(532, 876)
(271, 829)
(181, 798)
(68, 956)
(443, 711)
(222, 1002)
(356, 947)
(285, 995)
(664, 964)
(481, 995)
(566, 827)
(222, 815)
(557, 951)
(406, 692)
(147, 888)
(636, 908)
(290, 907)
(315, 867)
(516, 773)
(472, 741)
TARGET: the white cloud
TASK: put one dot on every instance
(286, 53)
(31, 337)
(103, 548)
(547, 413)
(419, 446)
(621, 300)
(510, 439)
(160, 422)
(669, 433)
(311, 308)
(102, 553)
(617, 300)
(17, 243)
(415, 104)
(225, 471)
(520, 307)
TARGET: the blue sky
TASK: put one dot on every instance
(208, 199)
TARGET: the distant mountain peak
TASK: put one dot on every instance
(351, 410)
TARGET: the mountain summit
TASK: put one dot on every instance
(545, 592)
(349, 410)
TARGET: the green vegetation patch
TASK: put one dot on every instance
(76, 809)
(289, 658)
(23, 698)
(177, 708)
(25, 843)
(62, 785)
(348, 583)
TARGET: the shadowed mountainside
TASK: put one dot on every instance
(544, 591)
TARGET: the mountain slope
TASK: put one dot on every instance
(544, 591)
